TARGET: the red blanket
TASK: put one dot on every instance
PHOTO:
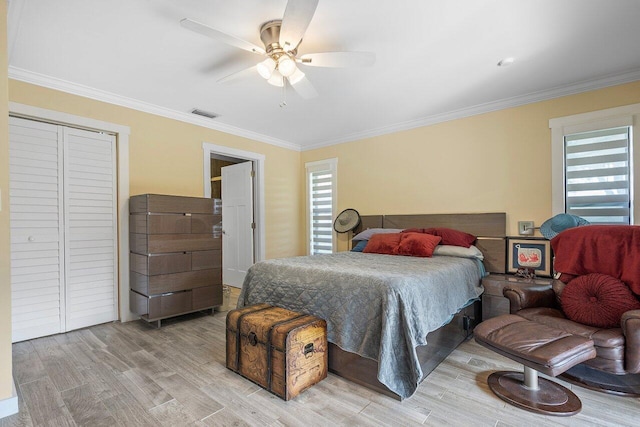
(606, 249)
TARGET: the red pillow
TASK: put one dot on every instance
(383, 244)
(452, 237)
(597, 300)
(417, 244)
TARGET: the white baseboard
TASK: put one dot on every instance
(9, 406)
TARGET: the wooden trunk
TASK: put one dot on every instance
(282, 351)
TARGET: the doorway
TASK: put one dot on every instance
(217, 160)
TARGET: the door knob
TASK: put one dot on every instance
(31, 239)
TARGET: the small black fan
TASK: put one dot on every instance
(346, 221)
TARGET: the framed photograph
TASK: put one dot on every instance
(531, 254)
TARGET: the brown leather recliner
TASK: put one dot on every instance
(616, 367)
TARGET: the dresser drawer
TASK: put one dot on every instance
(160, 243)
(206, 297)
(183, 243)
(162, 283)
(175, 303)
(170, 204)
(202, 260)
(205, 224)
(170, 304)
(152, 265)
(180, 262)
(160, 306)
(153, 223)
(160, 223)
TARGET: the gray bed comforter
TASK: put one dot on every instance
(379, 306)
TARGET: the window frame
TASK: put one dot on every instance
(560, 127)
(310, 167)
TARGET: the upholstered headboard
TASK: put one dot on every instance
(490, 228)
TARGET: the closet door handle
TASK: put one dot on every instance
(31, 238)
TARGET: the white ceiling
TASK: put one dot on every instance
(436, 59)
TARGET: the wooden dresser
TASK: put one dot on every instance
(176, 255)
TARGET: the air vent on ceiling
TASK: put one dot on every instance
(204, 113)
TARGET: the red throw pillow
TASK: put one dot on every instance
(597, 300)
(418, 244)
(452, 237)
(383, 244)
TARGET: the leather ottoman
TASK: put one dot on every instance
(540, 348)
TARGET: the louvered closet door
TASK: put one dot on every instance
(37, 252)
(63, 228)
(90, 228)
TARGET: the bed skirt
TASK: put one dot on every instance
(441, 343)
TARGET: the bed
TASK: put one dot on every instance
(383, 310)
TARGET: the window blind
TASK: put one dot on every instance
(321, 212)
(597, 175)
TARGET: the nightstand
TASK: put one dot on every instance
(493, 302)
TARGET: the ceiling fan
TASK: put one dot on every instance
(281, 39)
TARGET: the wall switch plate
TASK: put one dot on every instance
(525, 228)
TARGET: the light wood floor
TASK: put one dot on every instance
(134, 375)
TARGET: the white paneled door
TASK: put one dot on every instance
(63, 228)
(237, 222)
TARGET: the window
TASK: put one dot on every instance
(597, 175)
(592, 164)
(321, 205)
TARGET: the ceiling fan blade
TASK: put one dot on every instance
(297, 16)
(220, 36)
(338, 59)
(305, 89)
(239, 74)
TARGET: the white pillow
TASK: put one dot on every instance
(366, 234)
(458, 251)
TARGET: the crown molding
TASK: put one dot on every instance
(557, 92)
(112, 98)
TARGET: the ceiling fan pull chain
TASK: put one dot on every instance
(284, 92)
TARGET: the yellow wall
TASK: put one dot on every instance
(5, 277)
(493, 162)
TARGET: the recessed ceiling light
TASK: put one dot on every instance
(506, 62)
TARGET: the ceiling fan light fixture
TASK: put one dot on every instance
(266, 67)
(286, 66)
(281, 39)
(276, 79)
